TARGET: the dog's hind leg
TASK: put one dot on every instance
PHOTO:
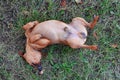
(92, 47)
(91, 24)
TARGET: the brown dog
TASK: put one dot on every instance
(32, 56)
(40, 35)
(54, 32)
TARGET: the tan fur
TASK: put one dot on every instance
(40, 35)
(54, 33)
(31, 55)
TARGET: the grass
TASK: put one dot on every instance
(62, 62)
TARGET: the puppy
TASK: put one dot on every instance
(40, 35)
(54, 32)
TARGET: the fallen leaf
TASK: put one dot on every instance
(78, 1)
(114, 45)
(10, 25)
(63, 3)
(26, 12)
(95, 35)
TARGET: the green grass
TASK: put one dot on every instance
(62, 62)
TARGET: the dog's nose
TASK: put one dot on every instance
(39, 68)
(83, 35)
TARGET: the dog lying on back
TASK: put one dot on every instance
(54, 32)
(40, 35)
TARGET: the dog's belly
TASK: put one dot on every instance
(54, 36)
(52, 30)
